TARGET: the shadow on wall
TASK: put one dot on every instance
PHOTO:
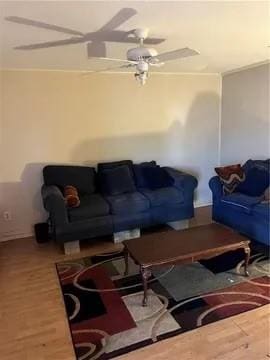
(190, 143)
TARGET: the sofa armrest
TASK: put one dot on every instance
(182, 180)
(54, 203)
(216, 187)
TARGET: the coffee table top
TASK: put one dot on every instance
(168, 246)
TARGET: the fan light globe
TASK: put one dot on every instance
(142, 66)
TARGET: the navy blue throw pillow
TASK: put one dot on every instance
(138, 172)
(256, 182)
(156, 177)
(116, 181)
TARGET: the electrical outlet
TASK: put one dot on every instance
(7, 215)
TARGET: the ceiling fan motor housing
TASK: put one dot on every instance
(140, 53)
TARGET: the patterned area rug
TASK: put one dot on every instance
(104, 307)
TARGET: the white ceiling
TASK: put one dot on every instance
(228, 34)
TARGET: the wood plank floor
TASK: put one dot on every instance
(33, 325)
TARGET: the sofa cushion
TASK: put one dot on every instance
(81, 177)
(128, 203)
(116, 181)
(91, 206)
(163, 196)
(156, 177)
(241, 202)
(129, 221)
(138, 173)
(262, 211)
(256, 182)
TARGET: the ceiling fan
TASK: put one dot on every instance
(142, 57)
(96, 41)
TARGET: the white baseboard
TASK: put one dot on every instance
(8, 237)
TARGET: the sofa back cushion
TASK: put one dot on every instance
(117, 180)
(138, 173)
(156, 177)
(114, 164)
(81, 177)
(256, 182)
(260, 164)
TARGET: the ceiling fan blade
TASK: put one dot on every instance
(153, 41)
(114, 59)
(118, 19)
(49, 44)
(156, 64)
(40, 24)
(108, 69)
(96, 49)
(175, 54)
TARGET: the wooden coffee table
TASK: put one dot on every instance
(183, 246)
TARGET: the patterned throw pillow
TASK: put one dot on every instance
(230, 176)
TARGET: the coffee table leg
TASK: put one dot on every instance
(247, 252)
(126, 262)
(146, 273)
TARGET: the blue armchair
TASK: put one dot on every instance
(248, 215)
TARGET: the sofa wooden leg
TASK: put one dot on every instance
(179, 225)
(72, 247)
(126, 235)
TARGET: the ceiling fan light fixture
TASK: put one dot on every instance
(141, 77)
(142, 69)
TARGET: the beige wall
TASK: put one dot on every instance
(64, 117)
(245, 130)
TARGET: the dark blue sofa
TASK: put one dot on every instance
(99, 214)
(246, 214)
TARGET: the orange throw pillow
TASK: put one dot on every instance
(71, 196)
